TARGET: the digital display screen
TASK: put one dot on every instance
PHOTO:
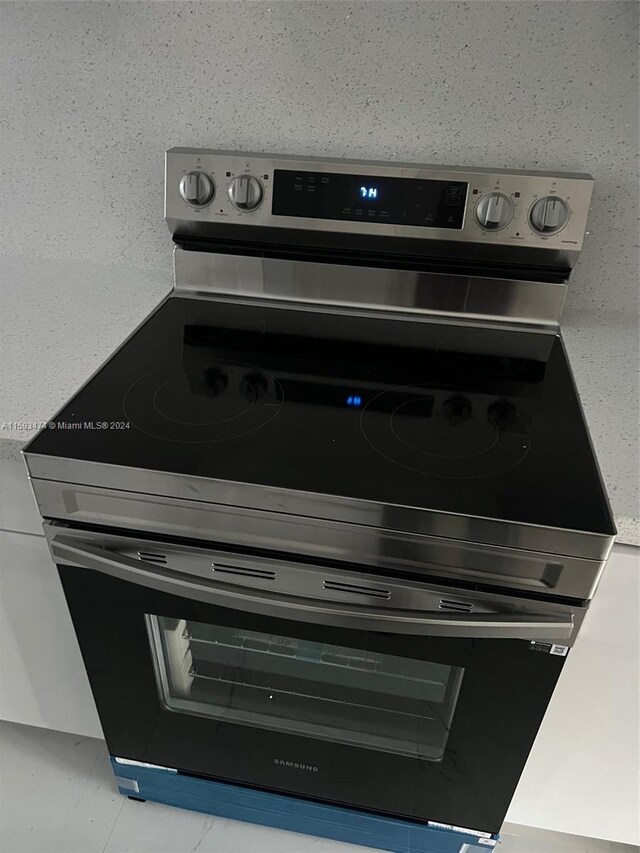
(368, 193)
(366, 198)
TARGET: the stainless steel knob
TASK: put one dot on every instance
(245, 192)
(549, 214)
(494, 211)
(197, 189)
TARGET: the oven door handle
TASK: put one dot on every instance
(361, 617)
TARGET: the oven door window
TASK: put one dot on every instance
(345, 695)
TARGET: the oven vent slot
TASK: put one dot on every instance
(356, 589)
(153, 557)
(455, 606)
(245, 572)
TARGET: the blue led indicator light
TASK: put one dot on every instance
(354, 401)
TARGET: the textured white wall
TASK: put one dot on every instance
(93, 92)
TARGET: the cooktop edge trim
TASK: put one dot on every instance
(560, 541)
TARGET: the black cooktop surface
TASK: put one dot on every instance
(476, 421)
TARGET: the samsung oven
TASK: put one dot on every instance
(387, 694)
(329, 521)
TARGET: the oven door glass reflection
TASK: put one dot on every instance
(344, 695)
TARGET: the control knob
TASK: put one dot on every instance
(494, 211)
(549, 214)
(245, 192)
(197, 189)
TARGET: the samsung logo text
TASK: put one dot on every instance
(310, 767)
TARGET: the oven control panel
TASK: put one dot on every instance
(481, 206)
(347, 197)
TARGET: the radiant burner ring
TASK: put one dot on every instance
(203, 400)
(445, 432)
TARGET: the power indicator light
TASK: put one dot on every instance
(354, 401)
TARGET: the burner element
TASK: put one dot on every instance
(445, 432)
(200, 401)
(448, 430)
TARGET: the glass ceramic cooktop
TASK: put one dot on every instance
(474, 421)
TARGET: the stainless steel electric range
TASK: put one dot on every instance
(329, 521)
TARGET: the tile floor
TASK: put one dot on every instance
(57, 795)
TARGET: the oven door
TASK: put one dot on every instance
(374, 692)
